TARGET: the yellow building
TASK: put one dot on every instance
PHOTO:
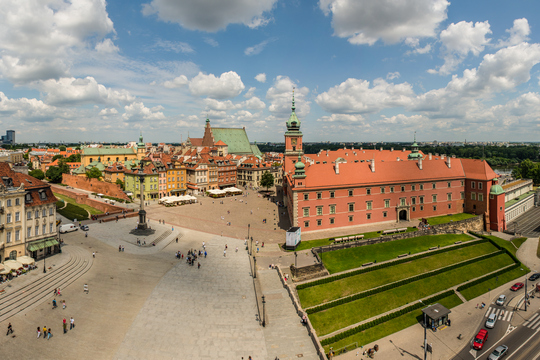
(176, 179)
(109, 155)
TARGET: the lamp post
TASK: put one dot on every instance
(264, 313)
(254, 267)
(249, 225)
(44, 257)
(142, 213)
(295, 257)
(525, 293)
(425, 333)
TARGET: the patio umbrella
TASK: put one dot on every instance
(26, 260)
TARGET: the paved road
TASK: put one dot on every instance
(528, 224)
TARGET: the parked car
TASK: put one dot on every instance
(491, 320)
(498, 353)
(67, 228)
(480, 339)
(501, 300)
(84, 227)
(534, 277)
(517, 286)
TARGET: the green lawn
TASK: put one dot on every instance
(519, 241)
(493, 283)
(346, 259)
(348, 286)
(401, 322)
(73, 212)
(91, 210)
(503, 243)
(338, 317)
(448, 218)
(306, 245)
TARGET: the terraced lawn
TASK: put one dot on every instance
(348, 286)
(493, 283)
(436, 220)
(341, 316)
(346, 259)
(91, 210)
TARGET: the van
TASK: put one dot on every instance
(67, 228)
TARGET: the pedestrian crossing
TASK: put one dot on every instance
(502, 315)
(533, 322)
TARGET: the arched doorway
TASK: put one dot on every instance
(403, 215)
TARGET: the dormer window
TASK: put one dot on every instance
(42, 195)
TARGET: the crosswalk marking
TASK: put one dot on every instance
(535, 325)
(503, 315)
(526, 323)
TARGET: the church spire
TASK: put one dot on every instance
(293, 106)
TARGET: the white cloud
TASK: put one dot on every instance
(211, 16)
(21, 71)
(355, 96)
(106, 47)
(108, 112)
(261, 77)
(367, 21)
(26, 109)
(250, 92)
(179, 81)
(518, 33)
(257, 49)
(138, 112)
(342, 118)
(393, 75)
(280, 96)
(228, 85)
(73, 91)
(254, 103)
(211, 42)
(459, 40)
(175, 46)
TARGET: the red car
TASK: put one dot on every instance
(517, 286)
(480, 339)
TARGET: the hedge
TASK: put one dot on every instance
(487, 277)
(387, 264)
(397, 284)
(385, 318)
(497, 246)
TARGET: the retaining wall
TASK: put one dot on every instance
(94, 185)
(84, 199)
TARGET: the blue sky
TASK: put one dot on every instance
(364, 70)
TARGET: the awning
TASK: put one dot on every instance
(192, 187)
(40, 244)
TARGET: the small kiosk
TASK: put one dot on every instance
(435, 315)
(293, 238)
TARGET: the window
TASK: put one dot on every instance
(51, 227)
(402, 201)
(29, 215)
(473, 185)
(332, 195)
(434, 185)
(421, 186)
(351, 218)
(319, 210)
(368, 191)
(8, 202)
(387, 203)
(332, 220)
(319, 222)
(449, 184)
(306, 212)
(18, 202)
(491, 196)
(414, 208)
(480, 197)
(449, 196)
(36, 230)
(462, 195)
(479, 185)
(44, 228)
(368, 216)
(382, 189)
(434, 198)
(28, 231)
(51, 211)
(332, 209)
(351, 206)
(421, 199)
(402, 188)
(391, 189)
(435, 208)
(319, 195)
(350, 193)
(36, 214)
(8, 236)
(462, 183)
(8, 218)
(369, 205)
(44, 212)
(385, 214)
(421, 207)
(17, 216)
(413, 200)
(413, 187)
(449, 206)
(473, 196)
(306, 223)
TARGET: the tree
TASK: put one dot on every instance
(62, 148)
(57, 157)
(38, 174)
(121, 183)
(54, 174)
(30, 166)
(25, 155)
(267, 179)
(93, 173)
(74, 158)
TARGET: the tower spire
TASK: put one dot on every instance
(293, 106)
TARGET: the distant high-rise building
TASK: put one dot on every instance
(9, 138)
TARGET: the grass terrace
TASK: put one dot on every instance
(493, 283)
(346, 259)
(437, 220)
(91, 210)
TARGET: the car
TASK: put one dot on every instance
(491, 320)
(501, 300)
(84, 227)
(534, 277)
(480, 339)
(498, 353)
(517, 286)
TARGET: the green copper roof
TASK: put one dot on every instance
(236, 140)
(141, 143)
(255, 150)
(496, 190)
(293, 124)
(107, 151)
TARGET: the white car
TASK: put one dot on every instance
(498, 353)
(491, 320)
(501, 300)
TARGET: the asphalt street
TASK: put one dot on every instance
(528, 224)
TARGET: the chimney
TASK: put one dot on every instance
(453, 156)
(398, 159)
(448, 163)
(372, 165)
(381, 148)
(392, 149)
(361, 148)
(403, 150)
(337, 168)
(420, 163)
(352, 147)
(326, 152)
(429, 156)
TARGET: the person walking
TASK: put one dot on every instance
(224, 253)
(204, 253)
(44, 332)
(64, 304)
(64, 324)
(177, 240)
(198, 265)
(9, 329)
(94, 254)
(38, 332)
(71, 323)
(49, 333)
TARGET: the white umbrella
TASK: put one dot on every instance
(26, 260)
(4, 269)
(13, 264)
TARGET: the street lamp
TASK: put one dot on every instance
(526, 293)
(254, 267)
(295, 257)
(249, 225)
(44, 257)
(425, 332)
(264, 313)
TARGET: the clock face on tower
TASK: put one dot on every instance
(293, 141)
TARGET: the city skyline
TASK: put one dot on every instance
(363, 71)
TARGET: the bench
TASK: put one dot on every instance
(402, 229)
(389, 231)
(402, 255)
(458, 242)
(367, 264)
(433, 248)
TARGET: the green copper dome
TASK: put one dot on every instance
(293, 124)
(496, 189)
(299, 165)
(414, 155)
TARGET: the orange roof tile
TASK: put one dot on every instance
(478, 169)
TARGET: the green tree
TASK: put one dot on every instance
(62, 148)
(74, 158)
(54, 174)
(57, 157)
(524, 170)
(38, 174)
(93, 173)
(30, 166)
(267, 179)
(25, 156)
(121, 183)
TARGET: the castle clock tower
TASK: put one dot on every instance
(293, 137)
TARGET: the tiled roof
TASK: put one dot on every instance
(31, 184)
(196, 141)
(220, 143)
(478, 169)
(236, 139)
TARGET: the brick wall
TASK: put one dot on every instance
(84, 199)
(308, 272)
(94, 185)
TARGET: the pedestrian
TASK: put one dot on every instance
(85, 288)
(55, 290)
(38, 332)
(64, 324)
(94, 254)
(198, 265)
(71, 323)
(49, 333)
(205, 254)
(225, 253)
(257, 249)
(225, 246)
(119, 248)
(54, 304)
(59, 292)
(44, 332)
(177, 240)
(64, 304)
(237, 249)
(9, 329)
(122, 248)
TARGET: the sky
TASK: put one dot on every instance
(361, 70)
